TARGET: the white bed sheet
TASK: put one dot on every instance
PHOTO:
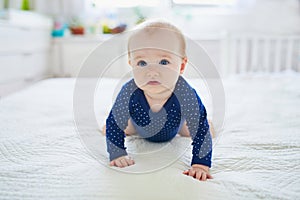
(255, 157)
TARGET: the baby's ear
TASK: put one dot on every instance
(129, 61)
(183, 65)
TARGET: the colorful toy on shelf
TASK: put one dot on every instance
(77, 30)
(58, 29)
(25, 5)
(77, 26)
(118, 29)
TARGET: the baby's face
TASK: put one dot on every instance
(156, 61)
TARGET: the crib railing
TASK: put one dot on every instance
(247, 53)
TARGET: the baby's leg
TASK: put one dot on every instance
(211, 128)
(130, 130)
(184, 131)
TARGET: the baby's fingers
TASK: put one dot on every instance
(192, 173)
(130, 162)
(112, 163)
(124, 162)
(209, 176)
(186, 172)
(118, 163)
(127, 162)
(115, 163)
(203, 178)
(198, 175)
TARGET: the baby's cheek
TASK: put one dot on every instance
(139, 79)
(170, 78)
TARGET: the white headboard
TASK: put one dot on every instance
(244, 53)
(232, 54)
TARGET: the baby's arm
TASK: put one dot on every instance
(116, 123)
(202, 144)
(200, 166)
(115, 144)
(115, 138)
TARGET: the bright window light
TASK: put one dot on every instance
(205, 2)
(125, 3)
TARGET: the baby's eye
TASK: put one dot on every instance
(142, 63)
(164, 62)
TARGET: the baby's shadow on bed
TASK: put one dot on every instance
(148, 156)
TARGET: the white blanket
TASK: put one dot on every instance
(256, 156)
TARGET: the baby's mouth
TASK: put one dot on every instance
(153, 83)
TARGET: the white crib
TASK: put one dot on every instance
(252, 53)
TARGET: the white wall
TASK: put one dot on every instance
(264, 16)
(267, 16)
(67, 8)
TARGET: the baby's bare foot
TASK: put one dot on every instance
(104, 130)
(184, 132)
(211, 129)
(130, 130)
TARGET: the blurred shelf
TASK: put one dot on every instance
(83, 38)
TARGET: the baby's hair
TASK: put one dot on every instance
(150, 25)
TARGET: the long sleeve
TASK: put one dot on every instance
(115, 137)
(202, 142)
(196, 117)
(117, 122)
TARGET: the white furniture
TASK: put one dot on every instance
(24, 48)
(70, 53)
(255, 52)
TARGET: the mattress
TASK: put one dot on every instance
(255, 154)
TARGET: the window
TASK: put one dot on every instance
(124, 3)
(205, 2)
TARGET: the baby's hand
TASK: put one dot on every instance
(122, 161)
(199, 172)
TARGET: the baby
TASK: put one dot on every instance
(158, 102)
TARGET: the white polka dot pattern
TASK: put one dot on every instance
(184, 104)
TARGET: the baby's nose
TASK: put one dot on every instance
(152, 74)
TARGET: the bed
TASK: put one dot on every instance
(255, 155)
